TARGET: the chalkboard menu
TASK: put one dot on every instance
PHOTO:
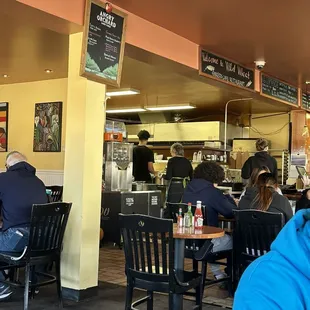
(306, 101)
(276, 89)
(225, 70)
(104, 43)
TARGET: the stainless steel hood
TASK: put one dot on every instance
(185, 132)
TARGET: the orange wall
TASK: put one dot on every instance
(71, 10)
(140, 32)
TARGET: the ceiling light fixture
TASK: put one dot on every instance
(307, 82)
(133, 110)
(122, 92)
(48, 70)
(5, 76)
(171, 108)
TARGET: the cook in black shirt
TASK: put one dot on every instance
(178, 169)
(259, 160)
(178, 166)
(143, 159)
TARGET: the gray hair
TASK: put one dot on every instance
(178, 149)
(14, 158)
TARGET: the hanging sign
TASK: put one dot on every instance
(275, 89)
(225, 70)
(103, 43)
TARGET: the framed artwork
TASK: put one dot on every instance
(4, 116)
(47, 127)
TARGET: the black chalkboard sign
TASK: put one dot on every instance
(306, 101)
(225, 70)
(104, 43)
(281, 91)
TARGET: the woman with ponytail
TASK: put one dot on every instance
(264, 196)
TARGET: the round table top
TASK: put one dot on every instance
(208, 232)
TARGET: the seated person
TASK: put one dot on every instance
(179, 170)
(19, 190)
(280, 279)
(304, 201)
(206, 177)
(265, 197)
(254, 176)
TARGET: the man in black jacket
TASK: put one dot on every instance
(259, 160)
(19, 190)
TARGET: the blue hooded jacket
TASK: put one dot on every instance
(215, 201)
(281, 278)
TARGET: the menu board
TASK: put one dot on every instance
(104, 43)
(225, 70)
(276, 89)
(306, 101)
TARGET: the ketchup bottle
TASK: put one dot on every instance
(198, 216)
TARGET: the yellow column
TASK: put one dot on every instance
(82, 176)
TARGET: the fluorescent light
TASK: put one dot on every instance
(122, 92)
(126, 110)
(168, 108)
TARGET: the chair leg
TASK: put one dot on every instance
(150, 300)
(129, 295)
(58, 282)
(26, 291)
(231, 276)
(204, 266)
(32, 281)
(198, 298)
(170, 301)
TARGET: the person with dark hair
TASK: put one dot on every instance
(143, 159)
(304, 201)
(207, 176)
(259, 160)
(264, 196)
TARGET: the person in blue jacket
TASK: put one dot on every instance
(207, 176)
(280, 279)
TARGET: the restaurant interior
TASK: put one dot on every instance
(174, 101)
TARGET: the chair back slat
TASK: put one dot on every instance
(156, 252)
(164, 252)
(142, 250)
(56, 193)
(47, 228)
(149, 250)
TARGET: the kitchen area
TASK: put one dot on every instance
(214, 120)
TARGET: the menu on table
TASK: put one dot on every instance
(103, 43)
(276, 89)
(226, 71)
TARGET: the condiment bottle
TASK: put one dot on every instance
(198, 217)
(188, 216)
(180, 219)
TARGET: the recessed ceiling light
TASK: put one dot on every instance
(48, 70)
(5, 75)
(122, 92)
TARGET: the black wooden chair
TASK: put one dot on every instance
(46, 232)
(56, 193)
(148, 247)
(253, 235)
(201, 251)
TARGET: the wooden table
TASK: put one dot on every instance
(180, 235)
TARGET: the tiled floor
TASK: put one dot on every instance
(112, 270)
